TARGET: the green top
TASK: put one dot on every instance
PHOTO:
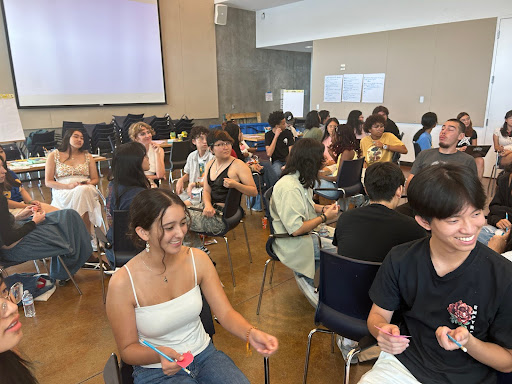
(314, 133)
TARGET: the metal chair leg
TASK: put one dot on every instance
(272, 273)
(262, 285)
(308, 350)
(332, 342)
(69, 274)
(230, 262)
(247, 241)
(267, 370)
(350, 355)
(37, 267)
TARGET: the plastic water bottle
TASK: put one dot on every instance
(28, 304)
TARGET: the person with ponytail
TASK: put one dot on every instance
(423, 137)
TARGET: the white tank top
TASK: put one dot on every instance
(174, 323)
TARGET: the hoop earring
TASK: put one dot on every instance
(147, 246)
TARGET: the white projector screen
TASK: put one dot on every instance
(85, 52)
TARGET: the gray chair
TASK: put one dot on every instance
(111, 373)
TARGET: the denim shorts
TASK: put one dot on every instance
(209, 367)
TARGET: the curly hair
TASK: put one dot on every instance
(307, 158)
(137, 128)
(371, 120)
(275, 118)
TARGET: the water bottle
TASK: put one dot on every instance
(28, 304)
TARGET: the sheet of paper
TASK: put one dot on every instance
(352, 86)
(293, 100)
(10, 123)
(373, 87)
(332, 88)
(268, 96)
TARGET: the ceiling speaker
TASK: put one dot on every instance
(221, 14)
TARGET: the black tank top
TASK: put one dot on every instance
(219, 192)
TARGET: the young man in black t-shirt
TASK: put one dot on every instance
(278, 141)
(444, 285)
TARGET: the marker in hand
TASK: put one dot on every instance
(464, 349)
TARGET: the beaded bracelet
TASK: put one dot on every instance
(324, 218)
(248, 350)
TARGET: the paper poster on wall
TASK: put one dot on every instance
(373, 87)
(352, 86)
(293, 100)
(332, 88)
(268, 96)
(10, 123)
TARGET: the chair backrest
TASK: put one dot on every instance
(111, 373)
(72, 125)
(350, 173)
(12, 152)
(232, 204)
(417, 149)
(267, 195)
(43, 137)
(180, 150)
(344, 300)
(123, 247)
(396, 156)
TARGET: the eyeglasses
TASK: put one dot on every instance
(13, 295)
(222, 144)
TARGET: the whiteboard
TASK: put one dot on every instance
(293, 100)
(373, 88)
(10, 123)
(332, 88)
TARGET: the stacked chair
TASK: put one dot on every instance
(122, 124)
(162, 126)
(183, 124)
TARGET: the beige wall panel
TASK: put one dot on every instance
(199, 58)
(462, 68)
(409, 73)
(448, 64)
(189, 54)
(360, 54)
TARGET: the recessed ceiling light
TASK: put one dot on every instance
(308, 46)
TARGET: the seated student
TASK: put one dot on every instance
(312, 126)
(193, 172)
(39, 235)
(13, 367)
(390, 125)
(156, 296)
(18, 198)
(423, 137)
(143, 133)
(470, 138)
(445, 284)
(324, 115)
(128, 179)
(294, 211)
(222, 173)
(331, 127)
(384, 184)
(278, 143)
(290, 122)
(502, 139)
(71, 173)
(379, 145)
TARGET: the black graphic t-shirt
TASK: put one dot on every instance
(477, 295)
(284, 141)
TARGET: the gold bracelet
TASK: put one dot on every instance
(248, 351)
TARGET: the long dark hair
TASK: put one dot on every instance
(428, 121)
(127, 167)
(312, 120)
(13, 368)
(344, 140)
(468, 131)
(504, 130)
(326, 132)
(149, 206)
(307, 158)
(10, 181)
(353, 121)
(234, 130)
(66, 147)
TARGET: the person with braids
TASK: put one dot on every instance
(13, 368)
(294, 212)
(156, 296)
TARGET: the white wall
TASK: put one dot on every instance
(319, 19)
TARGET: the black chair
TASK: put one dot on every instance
(40, 142)
(396, 156)
(268, 246)
(122, 125)
(344, 303)
(77, 126)
(12, 152)
(161, 125)
(417, 149)
(349, 180)
(232, 214)
(179, 153)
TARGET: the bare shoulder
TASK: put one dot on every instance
(204, 264)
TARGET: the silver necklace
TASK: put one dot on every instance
(143, 262)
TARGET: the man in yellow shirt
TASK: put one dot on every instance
(379, 145)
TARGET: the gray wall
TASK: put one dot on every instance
(245, 73)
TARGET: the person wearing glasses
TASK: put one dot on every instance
(379, 145)
(222, 173)
(13, 367)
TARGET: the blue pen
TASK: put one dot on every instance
(160, 353)
(457, 343)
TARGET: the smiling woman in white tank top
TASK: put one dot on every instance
(157, 297)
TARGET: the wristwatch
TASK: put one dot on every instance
(385, 146)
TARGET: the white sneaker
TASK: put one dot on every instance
(346, 345)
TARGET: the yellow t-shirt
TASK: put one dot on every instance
(374, 154)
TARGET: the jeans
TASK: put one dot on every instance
(209, 367)
(275, 173)
(486, 234)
